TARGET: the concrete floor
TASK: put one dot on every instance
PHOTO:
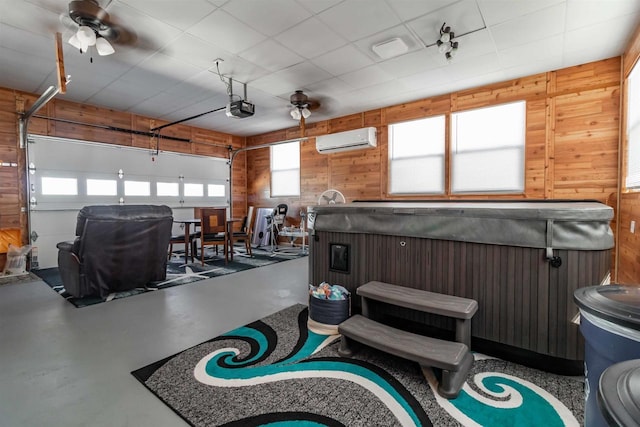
(67, 366)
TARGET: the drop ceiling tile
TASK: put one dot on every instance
(23, 72)
(110, 67)
(408, 10)
(426, 79)
(524, 70)
(584, 13)
(192, 50)
(499, 11)
(388, 91)
(369, 76)
(212, 102)
(462, 17)
(84, 86)
(410, 63)
(540, 51)
(198, 87)
(222, 29)
(591, 37)
(290, 79)
(400, 31)
(333, 87)
(241, 70)
(174, 13)
(354, 21)
(476, 66)
(310, 39)
(529, 28)
(27, 14)
(268, 17)
(474, 44)
(151, 33)
(480, 80)
(165, 105)
(119, 96)
(24, 41)
(317, 6)
(271, 55)
(218, 2)
(343, 60)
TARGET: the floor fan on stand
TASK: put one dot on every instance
(331, 197)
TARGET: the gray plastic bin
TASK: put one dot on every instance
(610, 324)
(619, 394)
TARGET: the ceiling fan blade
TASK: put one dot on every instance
(313, 104)
(68, 22)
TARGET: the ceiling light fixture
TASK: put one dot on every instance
(300, 102)
(446, 44)
(86, 37)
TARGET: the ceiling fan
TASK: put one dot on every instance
(302, 105)
(93, 26)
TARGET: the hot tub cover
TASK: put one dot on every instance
(571, 225)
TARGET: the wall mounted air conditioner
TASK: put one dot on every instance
(344, 141)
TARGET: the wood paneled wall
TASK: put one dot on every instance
(13, 179)
(572, 138)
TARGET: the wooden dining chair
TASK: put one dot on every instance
(246, 233)
(213, 230)
(178, 239)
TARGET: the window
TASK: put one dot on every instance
(416, 156)
(633, 129)
(215, 190)
(102, 187)
(285, 169)
(59, 186)
(164, 189)
(137, 188)
(487, 149)
(193, 190)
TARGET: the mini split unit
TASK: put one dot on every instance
(344, 141)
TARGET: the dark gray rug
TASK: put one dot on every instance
(276, 372)
(179, 272)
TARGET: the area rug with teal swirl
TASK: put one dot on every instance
(277, 372)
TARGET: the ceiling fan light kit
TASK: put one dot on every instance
(302, 105)
(93, 27)
(445, 43)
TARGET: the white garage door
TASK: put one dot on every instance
(64, 175)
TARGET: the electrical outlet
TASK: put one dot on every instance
(632, 228)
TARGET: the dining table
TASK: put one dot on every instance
(196, 222)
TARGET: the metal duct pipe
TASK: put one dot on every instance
(253, 147)
(23, 120)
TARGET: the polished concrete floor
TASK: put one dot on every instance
(67, 366)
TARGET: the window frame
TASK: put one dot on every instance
(274, 172)
(498, 148)
(632, 131)
(425, 157)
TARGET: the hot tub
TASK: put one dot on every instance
(521, 260)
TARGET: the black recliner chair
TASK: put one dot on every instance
(117, 248)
